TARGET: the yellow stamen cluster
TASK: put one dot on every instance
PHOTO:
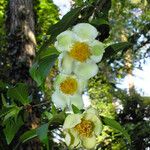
(69, 86)
(80, 51)
(85, 128)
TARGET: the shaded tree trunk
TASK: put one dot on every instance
(20, 24)
(21, 39)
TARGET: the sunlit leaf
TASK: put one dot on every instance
(115, 125)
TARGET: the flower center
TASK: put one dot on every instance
(80, 51)
(69, 86)
(85, 128)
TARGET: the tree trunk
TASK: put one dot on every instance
(20, 24)
(129, 69)
(21, 39)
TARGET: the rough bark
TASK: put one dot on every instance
(21, 40)
(20, 24)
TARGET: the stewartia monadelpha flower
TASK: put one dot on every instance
(68, 91)
(79, 51)
(81, 130)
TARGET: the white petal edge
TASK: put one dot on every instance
(89, 143)
(85, 31)
(92, 111)
(65, 40)
(72, 120)
(76, 140)
(85, 71)
(65, 63)
(59, 100)
(97, 50)
(77, 101)
(96, 59)
(82, 85)
(68, 139)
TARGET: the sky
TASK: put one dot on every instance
(64, 6)
(141, 78)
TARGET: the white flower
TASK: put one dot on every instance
(68, 91)
(82, 129)
(79, 47)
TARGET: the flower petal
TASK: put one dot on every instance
(59, 100)
(71, 138)
(77, 101)
(59, 78)
(65, 40)
(72, 120)
(97, 123)
(68, 139)
(92, 111)
(82, 85)
(85, 31)
(65, 63)
(97, 50)
(89, 143)
(85, 71)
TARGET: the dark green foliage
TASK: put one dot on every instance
(67, 21)
(28, 135)
(11, 128)
(112, 50)
(42, 133)
(20, 93)
(42, 65)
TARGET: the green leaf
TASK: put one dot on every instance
(13, 112)
(48, 115)
(67, 21)
(4, 101)
(2, 85)
(11, 128)
(43, 64)
(115, 125)
(79, 2)
(58, 118)
(47, 52)
(28, 135)
(20, 93)
(4, 111)
(99, 21)
(113, 49)
(75, 109)
(42, 133)
(53, 110)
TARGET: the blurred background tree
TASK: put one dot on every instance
(129, 21)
